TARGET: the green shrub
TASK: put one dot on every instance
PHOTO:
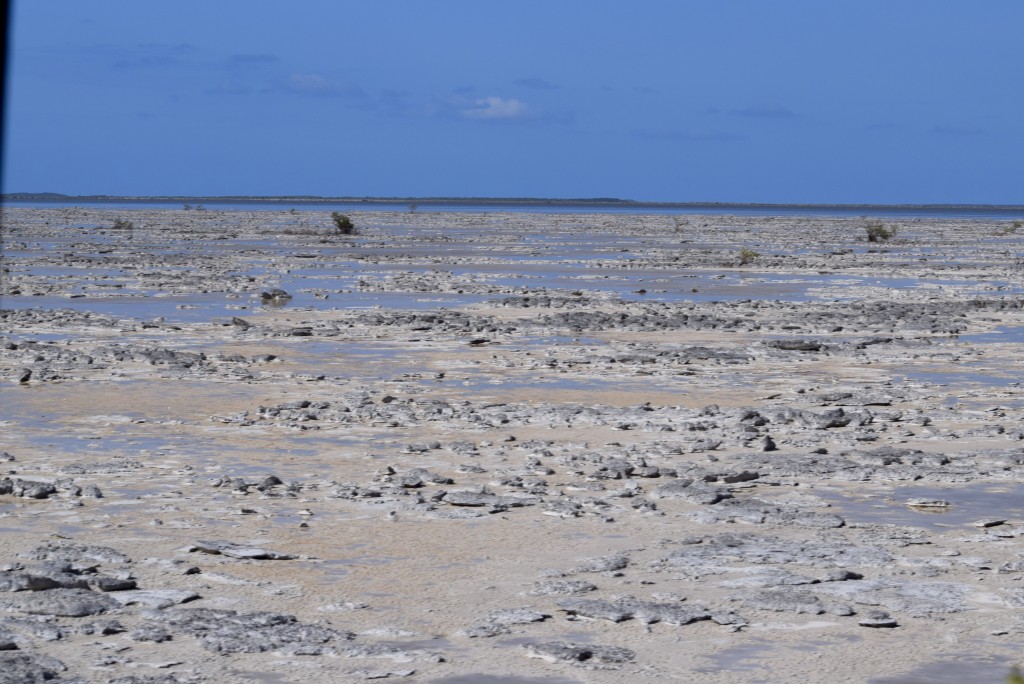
(879, 232)
(747, 256)
(343, 224)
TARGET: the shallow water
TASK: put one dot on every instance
(969, 502)
(965, 667)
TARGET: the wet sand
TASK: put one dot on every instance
(509, 448)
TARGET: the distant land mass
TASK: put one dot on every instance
(611, 202)
(283, 199)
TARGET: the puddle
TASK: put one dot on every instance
(968, 503)
(268, 677)
(478, 678)
(965, 668)
(959, 378)
(737, 659)
(1002, 334)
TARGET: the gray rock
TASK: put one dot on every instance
(833, 552)
(102, 627)
(154, 633)
(878, 618)
(691, 491)
(28, 668)
(669, 613)
(469, 498)
(795, 345)
(225, 631)
(768, 577)
(60, 602)
(914, 598)
(517, 616)
(561, 588)
(155, 598)
(394, 652)
(795, 601)
(576, 654)
(484, 631)
(596, 609)
(67, 551)
(631, 608)
(233, 550)
(34, 627)
(602, 564)
(755, 511)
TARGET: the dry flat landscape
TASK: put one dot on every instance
(509, 448)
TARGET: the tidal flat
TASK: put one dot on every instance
(509, 448)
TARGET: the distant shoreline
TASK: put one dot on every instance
(610, 202)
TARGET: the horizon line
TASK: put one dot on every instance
(61, 197)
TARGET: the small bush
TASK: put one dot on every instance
(343, 224)
(747, 256)
(879, 232)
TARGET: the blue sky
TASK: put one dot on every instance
(878, 101)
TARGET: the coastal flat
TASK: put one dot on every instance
(509, 447)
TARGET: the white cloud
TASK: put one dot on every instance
(493, 107)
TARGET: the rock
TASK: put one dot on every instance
(596, 609)
(795, 345)
(233, 550)
(225, 631)
(484, 631)
(517, 616)
(779, 600)
(155, 598)
(150, 632)
(602, 564)
(575, 654)
(834, 552)
(691, 491)
(468, 498)
(28, 668)
(67, 551)
(34, 628)
(60, 602)
(630, 608)
(561, 588)
(927, 503)
(914, 598)
(24, 375)
(27, 489)
(394, 652)
(877, 618)
(274, 295)
(102, 627)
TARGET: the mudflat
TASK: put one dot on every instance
(509, 448)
